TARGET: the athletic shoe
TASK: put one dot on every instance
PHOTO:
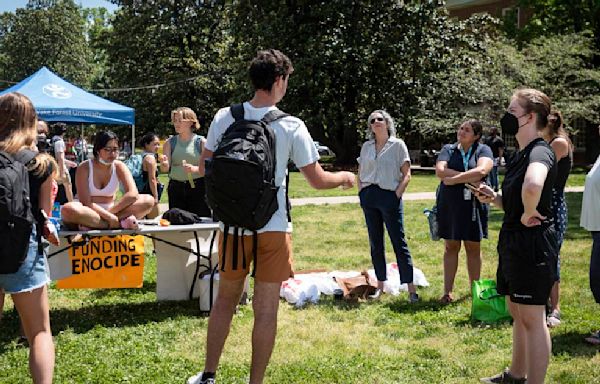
(197, 379)
(503, 378)
(413, 297)
(553, 319)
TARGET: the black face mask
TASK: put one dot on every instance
(510, 123)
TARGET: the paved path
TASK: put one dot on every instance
(354, 199)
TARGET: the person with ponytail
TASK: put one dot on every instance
(558, 138)
(528, 243)
(150, 161)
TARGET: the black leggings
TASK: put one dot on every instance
(183, 196)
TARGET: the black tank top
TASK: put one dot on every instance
(563, 169)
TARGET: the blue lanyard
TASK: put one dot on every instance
(466, 157)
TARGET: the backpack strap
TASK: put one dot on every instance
(237, 111)
(273, 115)
(24, 156)
(288, 203)
(198, 143)
(254, 252)
(172, 143)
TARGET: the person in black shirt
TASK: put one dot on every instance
(497, 145)
(528, 244)
(556, 136)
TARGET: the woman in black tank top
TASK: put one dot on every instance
(558, 138)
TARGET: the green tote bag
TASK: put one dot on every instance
(488, 306)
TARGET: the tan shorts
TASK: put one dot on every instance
(274, 257)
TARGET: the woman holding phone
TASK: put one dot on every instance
(461, 218)
(528, 242)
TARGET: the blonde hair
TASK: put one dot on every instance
(18, 122)
(40, 164)
(187, 114)
(537, 102)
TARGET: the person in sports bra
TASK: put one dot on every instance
(97, 182)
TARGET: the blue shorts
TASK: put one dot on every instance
(33, 274)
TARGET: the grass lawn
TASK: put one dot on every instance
(125, 336)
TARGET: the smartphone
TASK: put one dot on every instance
(476, 189)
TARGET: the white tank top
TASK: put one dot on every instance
(110, 189)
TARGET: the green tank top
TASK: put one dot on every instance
(184, 150)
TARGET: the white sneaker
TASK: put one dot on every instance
(197, 379)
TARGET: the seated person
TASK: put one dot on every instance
(97, 182)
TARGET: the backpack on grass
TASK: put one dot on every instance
(16, 218)
(240, 176)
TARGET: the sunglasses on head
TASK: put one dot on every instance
(373, 120)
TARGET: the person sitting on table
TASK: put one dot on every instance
(97, 182)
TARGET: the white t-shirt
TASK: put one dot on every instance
(590, 204)
(292, 142)
(59, 147)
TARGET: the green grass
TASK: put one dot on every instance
(125, 336)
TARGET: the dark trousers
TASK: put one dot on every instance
(183, 196)
(595, 266)
(382, 206)
(493, 178)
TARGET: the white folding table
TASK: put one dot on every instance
(184, 254)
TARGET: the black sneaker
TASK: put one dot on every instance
(505, 377)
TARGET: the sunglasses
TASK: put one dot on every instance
(111, 150)
(373, 120)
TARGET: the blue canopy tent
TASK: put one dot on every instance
(56, 99)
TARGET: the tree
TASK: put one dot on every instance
(45, 33)
(351, 58)
(172, 52)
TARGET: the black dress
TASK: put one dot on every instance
(461, 219)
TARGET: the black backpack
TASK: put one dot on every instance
(240, 176)
(16, 218)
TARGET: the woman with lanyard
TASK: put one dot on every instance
(461, 218)
(186, 187)
(528, 243)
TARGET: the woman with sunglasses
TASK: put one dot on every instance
(97, 182)
(461, 218)
(384, 173)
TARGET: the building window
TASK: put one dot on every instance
(512, 16)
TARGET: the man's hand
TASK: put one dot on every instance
(349, 180)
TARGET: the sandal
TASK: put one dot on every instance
(594, 338)
(446, 299)
(129, 222)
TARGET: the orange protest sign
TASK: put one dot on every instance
(106, 262)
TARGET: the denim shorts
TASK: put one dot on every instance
(33, 274)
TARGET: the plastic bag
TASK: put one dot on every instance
(488, 306)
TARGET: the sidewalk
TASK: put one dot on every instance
(354, 199)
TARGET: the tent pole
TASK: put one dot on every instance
(133, 139)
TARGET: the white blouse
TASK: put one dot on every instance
(382, 169)
(590, 206)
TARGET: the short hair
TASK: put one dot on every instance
(59, 128)
(187, 114)
(391, 127)
(535, 101)
(18, 121)
(101, 139)
(267, 66)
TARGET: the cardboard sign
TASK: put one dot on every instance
(106, 262)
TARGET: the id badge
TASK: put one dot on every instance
(467, 194)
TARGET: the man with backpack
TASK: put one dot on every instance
(271, 249)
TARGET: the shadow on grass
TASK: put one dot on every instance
(573, 344)
(84, 319)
